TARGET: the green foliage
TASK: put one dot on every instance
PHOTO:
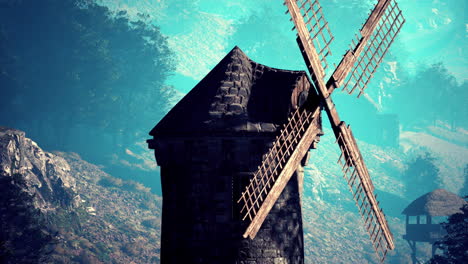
(64, 221)
(151, 223)
(128, 185)
(88, 258)
(24, 235)
(421, 176)
(433, 94)
(134, 186)
(133, 248)
(139, 187)
(148, 205)
(455, 242)
(464, 190)
(71, 66)
(111, 182)
(101, 251)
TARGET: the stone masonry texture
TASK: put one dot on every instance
(208, 147)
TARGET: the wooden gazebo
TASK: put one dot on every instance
(420, 214)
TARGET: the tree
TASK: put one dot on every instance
(73, 64)
(432, 94)
(464, 190)
(24, 235)
(455, 243)
(421, 175)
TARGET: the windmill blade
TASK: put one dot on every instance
(298, 134)
(277, 167)
(356, 174)
(318, 31)
(296, 137)
(376, 38)
(313, 36)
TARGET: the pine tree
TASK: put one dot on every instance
(464, 190)
(421, 176)
(455, 243)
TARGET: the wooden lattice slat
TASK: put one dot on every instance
(271, 174)
(354, 170)
(362, 60)
(369, 60)
(319, 33)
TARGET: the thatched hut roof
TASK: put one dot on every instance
(439, 202)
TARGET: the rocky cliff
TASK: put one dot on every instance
(57, 208)
(46, 176)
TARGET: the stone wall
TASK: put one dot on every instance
(202, 179)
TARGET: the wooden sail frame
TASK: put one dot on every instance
(362, 60)
(277, 167)
(369, 60)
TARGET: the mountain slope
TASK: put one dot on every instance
(57, 208)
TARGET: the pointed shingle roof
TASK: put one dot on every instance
(238, 95)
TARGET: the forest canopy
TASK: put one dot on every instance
(76, 76)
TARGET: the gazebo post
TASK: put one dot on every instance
(413, 251)
(434, 248)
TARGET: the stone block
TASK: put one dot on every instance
(244, 92)
(254, 252)
(236, 67)
(224, 89)
(219, 107)
(216, 114)
(217, 98)
(280, 261)
(268, 127)
(235, 76)
(245, 77)
(236, 108)
(234, 91)
(269, 253)
(227, 84)
(230, 99)
(253, 127)
(266, 261)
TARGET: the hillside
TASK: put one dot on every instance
(333, 229)
(58, 208)
(61, 209)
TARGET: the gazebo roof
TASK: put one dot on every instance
(439, 202)
(237, 96)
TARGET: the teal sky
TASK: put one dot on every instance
(201, 32)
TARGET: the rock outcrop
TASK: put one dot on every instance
(58, 208)
(46, 176)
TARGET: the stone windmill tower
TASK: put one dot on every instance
(231, 151)
(209, 145)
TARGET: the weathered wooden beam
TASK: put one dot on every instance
(346, 64)
(374, 18)
(312, 58)
(347, 140)
(290, 167)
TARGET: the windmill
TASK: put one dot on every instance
(354, 72)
